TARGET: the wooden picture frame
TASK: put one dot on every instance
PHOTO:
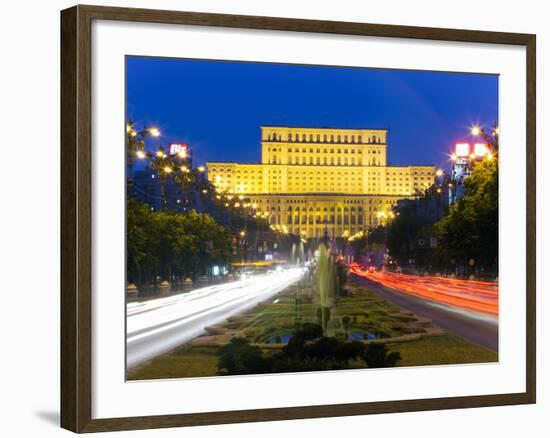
(76, 217)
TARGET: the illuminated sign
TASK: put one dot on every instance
(480, 149)
(180, 149)
(462, 149)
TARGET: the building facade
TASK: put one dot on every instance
(322, 181)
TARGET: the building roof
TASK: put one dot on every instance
(328, 128)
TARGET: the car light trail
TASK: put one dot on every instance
(157, 326)
(471, 295)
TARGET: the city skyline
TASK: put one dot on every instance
(217, 107)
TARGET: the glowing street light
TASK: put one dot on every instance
(475, 130)
(141, 155)
(154, 132)
(438, 172)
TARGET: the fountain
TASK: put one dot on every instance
(325, 284)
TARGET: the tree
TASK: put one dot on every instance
(470, 230)
(135, 147)
(168, 244)
(404, 232)
(376, 356)
(162, 165)
(139, 236)
(239, 357)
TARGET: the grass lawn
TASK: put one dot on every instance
(366, 312)
(442, 350)
(182, 362)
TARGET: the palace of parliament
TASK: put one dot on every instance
(313, 181)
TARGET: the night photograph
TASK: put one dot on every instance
(303, 218)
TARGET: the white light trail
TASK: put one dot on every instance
(157, 326)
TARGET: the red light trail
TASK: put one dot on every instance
(477, 296)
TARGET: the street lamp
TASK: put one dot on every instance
(491, 139)
(475, 130)
(154, 132)
(135, 143)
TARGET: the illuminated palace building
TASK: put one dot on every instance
(319, 181)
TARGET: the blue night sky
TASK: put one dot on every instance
(217, 107)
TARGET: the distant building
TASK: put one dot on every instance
(322, 182)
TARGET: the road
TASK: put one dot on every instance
(468, 309)
(158, 326)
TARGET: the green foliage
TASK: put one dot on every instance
(307, 350)
(239, 357)
(405, 230)
(378, 356)
(470, 230)
(377, 235)
(172, 245)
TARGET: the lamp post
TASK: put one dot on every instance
(162, 164)
(135, 144)
(491, 138)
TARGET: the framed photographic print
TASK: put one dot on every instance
(268, 218)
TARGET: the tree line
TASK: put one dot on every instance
(464, 239)
(166, 245)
